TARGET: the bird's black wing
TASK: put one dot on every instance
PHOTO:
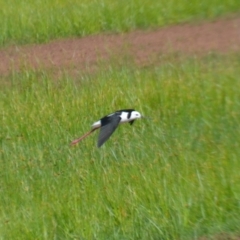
(108, 128)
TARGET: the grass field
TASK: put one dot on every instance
(175, 176)
(38, 21)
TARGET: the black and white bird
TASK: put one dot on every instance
(109, 123)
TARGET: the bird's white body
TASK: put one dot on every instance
(96, 125)
(124, 118)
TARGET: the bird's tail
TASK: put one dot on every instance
(82, 137)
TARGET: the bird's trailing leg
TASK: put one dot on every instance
(82, 137)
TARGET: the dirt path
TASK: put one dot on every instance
(144, 47)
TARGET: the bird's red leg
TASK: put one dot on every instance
(82, 137)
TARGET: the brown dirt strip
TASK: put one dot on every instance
(144, 47)
(221, 236)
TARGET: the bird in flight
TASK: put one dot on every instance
(109, 123)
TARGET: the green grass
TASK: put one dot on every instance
(39, 21)
(173, 177)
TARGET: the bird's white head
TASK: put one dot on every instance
(135, 115)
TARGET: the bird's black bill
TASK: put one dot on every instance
(147, 117)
